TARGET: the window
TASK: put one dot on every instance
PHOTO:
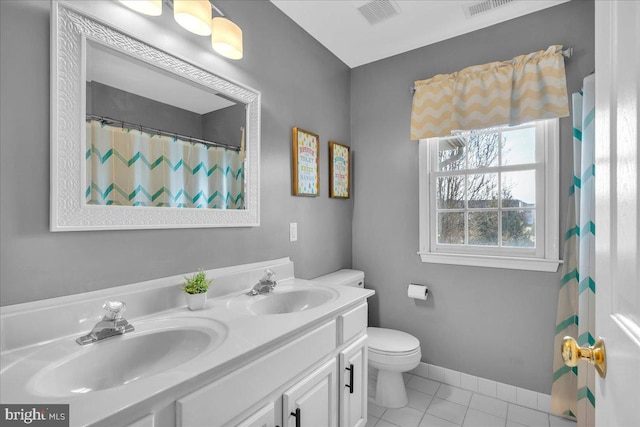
(490, 197)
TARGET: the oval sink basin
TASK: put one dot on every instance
(154, 347)
(283, 301)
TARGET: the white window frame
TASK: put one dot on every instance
(545, 257)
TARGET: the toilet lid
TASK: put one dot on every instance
(384, 340)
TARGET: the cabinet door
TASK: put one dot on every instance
(353, 384)
(264, 417)
(312, 401)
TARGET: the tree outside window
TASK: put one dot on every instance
(475, 195)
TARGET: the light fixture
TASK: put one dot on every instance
(226, 38)
(193, 15)
(148, 7)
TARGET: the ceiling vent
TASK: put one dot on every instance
(484, 7)
(377, 11)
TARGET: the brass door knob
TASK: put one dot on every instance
(596, 355)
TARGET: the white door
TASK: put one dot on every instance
(312, 401)
(617, 211)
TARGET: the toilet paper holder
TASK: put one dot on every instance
(418, 291)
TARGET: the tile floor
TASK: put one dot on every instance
(434, 404)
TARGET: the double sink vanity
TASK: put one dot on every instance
(295, 356)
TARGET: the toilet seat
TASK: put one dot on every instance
(392, 350)
(391, 342)
(393, 353)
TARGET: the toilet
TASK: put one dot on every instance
(390, 352)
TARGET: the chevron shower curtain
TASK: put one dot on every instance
(573, 389)
(527, 88)
(131, 168)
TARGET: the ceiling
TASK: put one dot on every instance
(341, 28)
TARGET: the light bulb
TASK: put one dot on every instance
(148, 7)
(193, 15)
(226, 38)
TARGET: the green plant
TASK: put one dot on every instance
(196, 284)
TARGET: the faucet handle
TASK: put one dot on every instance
(114, 309)
(268, 274)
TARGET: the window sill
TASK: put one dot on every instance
(511, 263)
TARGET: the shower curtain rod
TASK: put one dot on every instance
(567, 53)
(110, 121)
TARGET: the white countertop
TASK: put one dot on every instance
(247, 338)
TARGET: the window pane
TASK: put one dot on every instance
(519, 146)
(450, 192)
(482, 190)
(451, 154)
(451, 228)
(483, 150)
(519, 189)
(483, 228)
(519, 228)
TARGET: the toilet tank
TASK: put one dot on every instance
(344, 277)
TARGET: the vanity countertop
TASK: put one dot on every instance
(246, 338)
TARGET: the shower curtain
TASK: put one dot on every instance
(572, 394)
(132, 168)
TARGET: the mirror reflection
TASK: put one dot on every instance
(159, 140)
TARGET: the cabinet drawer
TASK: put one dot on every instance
(352, 323)
(219, 402)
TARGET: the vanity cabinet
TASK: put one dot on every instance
(147, 421)
(316, 379)
(264, 417)
(353, 384)
(312, 401)
(227, 399)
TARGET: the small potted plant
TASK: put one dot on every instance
(196, 288)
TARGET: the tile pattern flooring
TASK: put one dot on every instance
(434, 404)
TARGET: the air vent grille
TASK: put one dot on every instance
(484, 7)
(377, 11)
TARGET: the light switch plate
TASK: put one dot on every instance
(293, 231)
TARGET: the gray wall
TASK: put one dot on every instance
(224, 125)
(37, 264)
(107, 101)
(221, 125)
(497, 324)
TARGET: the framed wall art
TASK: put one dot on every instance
(306, 158)
(339, 170)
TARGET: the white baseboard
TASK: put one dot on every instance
(502, 391)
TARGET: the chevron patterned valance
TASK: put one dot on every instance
(526, 88)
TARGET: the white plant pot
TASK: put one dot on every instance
(196, 301)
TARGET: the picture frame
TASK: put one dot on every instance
(339, 171)
(306, 163)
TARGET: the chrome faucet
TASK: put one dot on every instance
(111, 325)
(265, 285)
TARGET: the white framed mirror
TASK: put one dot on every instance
(143, 139)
